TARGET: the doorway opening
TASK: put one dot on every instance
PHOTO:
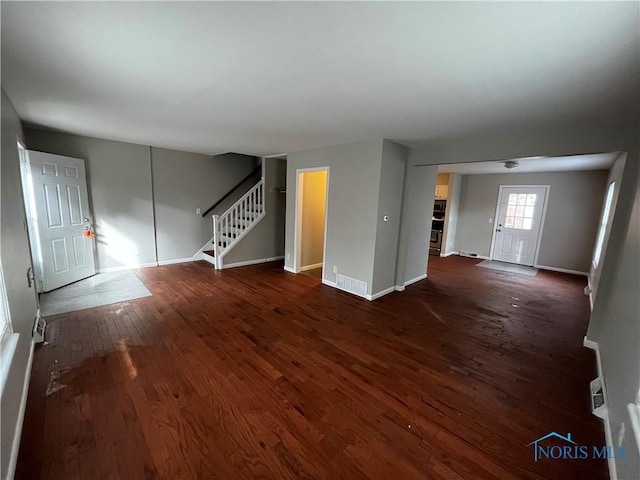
(519, 221)
(311, 214)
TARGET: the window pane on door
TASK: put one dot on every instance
(520, 210)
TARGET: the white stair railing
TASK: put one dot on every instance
(236, 222)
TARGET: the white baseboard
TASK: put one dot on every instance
(386, 291)
(382, 293)
(127, 267)
(562, 270)
(175, 260)
(13, 460)
(310, 267)
(251, 262)
(289, 269)
(414, 280)
(613, 474)
(399, 288)
(448, 254)
(465, 254)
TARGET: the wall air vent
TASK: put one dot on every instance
(351, 285)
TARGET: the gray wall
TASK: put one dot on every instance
(415, 226)
(573, 212)
(354, 179)
(266, 240)
(615, 326)
(392, 171)
(614, 320)
(183, 182)
(16, 260)
(119, 182)
(120, 193)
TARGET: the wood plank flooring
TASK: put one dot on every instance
(257, 373)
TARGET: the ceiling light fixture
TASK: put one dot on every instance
(511, 164)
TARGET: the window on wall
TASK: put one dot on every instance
(5, 322)
(520, 208)
(597, 254)
(8, 340)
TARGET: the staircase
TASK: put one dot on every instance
(230, 227)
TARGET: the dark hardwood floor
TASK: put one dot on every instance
(257, 373)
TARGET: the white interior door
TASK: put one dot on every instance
(62, 217)
(518, 224)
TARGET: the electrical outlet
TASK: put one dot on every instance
(197, 211)
(491, 220)
(288, 256)
(136, 252)
(335, 269)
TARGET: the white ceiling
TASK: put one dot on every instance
(263, 78)
(596, 161)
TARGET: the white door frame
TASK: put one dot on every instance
(542, 219)
(298, 217)
(29, 208)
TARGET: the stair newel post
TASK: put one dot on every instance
(216, 239)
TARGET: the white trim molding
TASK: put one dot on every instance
(127, 267)
(290, 269)
(613, 474)
(175, 260)
(543, 216)
(414, 280)
(475, 255)
(381, 293)
(13, 460)
(297, 226)
(252, 262)
(311, 267)
(561, 270)
(447, 254)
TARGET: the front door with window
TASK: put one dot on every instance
(518, 224)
